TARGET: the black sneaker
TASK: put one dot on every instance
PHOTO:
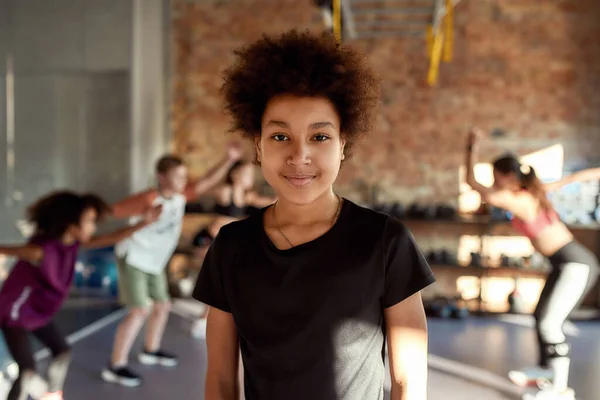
(158, 357)
(121, 375)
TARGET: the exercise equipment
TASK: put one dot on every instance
(476, 260)
(397, 210)
(416, 211)
(97, 273)
(430, 212)
(446, 307)
(448, 257)
(441, 256)
(516, 304)
(446, 212)
(433, 257)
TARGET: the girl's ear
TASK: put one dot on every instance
(257, 148)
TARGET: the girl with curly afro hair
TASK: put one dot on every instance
(39, 283)
(311, 288)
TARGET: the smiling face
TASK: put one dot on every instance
(300, 147)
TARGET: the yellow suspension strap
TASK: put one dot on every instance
(337, 19)
(429, 39)
(435, 58)
(449, 31)
(440, 43)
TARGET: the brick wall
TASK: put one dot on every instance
(529, 68)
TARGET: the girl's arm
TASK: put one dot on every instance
(113, 238)
(223, 356)
(214, 176)
(585, 175)
(470, 160)
(134, 205)
(407, 348)
(28, 252)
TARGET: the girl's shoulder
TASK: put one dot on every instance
(51, 245)
(362, 215)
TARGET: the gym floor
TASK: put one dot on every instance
(470, 358)
(499, 344)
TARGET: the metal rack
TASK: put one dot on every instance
(482, 227)
(374, 19)
(365, 19)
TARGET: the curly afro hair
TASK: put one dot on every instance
(304, 65)
(55, 212)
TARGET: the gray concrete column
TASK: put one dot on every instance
(149, 98)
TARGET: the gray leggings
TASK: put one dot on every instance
(574, 272)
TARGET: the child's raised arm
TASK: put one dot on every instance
(134, 205)
(112, 238)
(590, 174)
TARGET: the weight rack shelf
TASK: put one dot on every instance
(483, 224)
(510, 272)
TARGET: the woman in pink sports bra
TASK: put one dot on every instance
(574, 270)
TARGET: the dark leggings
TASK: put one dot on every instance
(574, 272)
(19, 344)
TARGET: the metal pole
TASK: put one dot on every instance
(348, 18)
(10, 130)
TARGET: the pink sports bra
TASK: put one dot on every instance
(533, 228)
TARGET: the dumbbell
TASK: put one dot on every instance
(460, 312)
(445, 212)
(416, 211)
(447, 257)
(441, 310)
(476, 260)
(397, 210)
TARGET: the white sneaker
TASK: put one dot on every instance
(186, 287)
(32, 385)
(530, 376)
(199, 328)
(548, 393)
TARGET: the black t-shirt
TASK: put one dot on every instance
(310, 318)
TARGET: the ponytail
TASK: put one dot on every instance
(533, 185)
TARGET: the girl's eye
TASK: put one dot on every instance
(280, 137)
(321, 137)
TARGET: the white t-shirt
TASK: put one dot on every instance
(150, 248)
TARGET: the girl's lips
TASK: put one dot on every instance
(300, 180)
